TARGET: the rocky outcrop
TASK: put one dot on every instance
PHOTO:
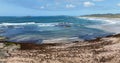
(100, 50)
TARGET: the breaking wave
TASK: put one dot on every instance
(29, 23)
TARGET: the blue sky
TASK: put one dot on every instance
(57, 7)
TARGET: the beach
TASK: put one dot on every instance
(99, 50)
(112, 25)
(60, 31)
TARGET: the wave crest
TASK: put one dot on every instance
(34, 24)
(28, 23)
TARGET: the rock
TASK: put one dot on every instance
(12, 47)
(3, 54)
(1, 45)
(2, 62)
(2, 38)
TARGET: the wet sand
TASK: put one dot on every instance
(100, 50)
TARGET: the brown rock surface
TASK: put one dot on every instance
(104, 50)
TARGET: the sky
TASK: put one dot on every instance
(57, 7)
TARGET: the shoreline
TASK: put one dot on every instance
(59, 40)
(109, 24)
(106, 19)
(53, 43)
(99, 50)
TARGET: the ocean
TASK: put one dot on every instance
(37, 29)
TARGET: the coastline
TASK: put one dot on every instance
(103, 50)
(109, 20)
(99, 50)
(111, 24)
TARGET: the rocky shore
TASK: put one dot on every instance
(100, 50)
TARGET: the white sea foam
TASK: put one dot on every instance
(47, 24)
(110, 25)
(114, 28)
(23, 38)
(62, 40)
(36, 24)
(105, 20)
(7, 24)
(28, 23)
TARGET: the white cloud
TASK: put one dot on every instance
(42, 7)
(70, 6)
(118, 4)
(98, 0)
(88, 4)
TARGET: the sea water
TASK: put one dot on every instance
(36, 29)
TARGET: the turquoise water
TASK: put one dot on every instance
(37, 29)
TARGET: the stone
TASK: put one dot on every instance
(2, 38)
(1, 45)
